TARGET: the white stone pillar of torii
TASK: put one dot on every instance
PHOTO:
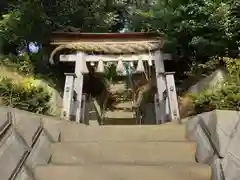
(165, 84)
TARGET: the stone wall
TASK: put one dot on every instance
(25, 140)
(209, 81)
(217, 135)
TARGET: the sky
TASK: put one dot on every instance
(33, 47)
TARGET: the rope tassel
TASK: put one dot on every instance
(100, 67)
(140, 66)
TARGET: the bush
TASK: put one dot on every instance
(24, 95)
(21, 64)
(227, 97)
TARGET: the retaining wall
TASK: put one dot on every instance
(217, 135)
(25, 140)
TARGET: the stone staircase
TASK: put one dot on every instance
(121, 112)
(43, 148)
(123, 152)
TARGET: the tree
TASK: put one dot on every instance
(27, 21)
(195, 30)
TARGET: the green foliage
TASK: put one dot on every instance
(233, 66)
(89, 16)
(195, 30)
(110, 72)
(26, 21)
(21, 64)
(204, 69)
(24, 96)
(226, 96)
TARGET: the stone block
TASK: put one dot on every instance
(27, 125)
(24, 174)
(52, 127)
(41, 152)
(193, 123)
(217, 173)
(212, 80)
(12, 150)
(234, 145)
(204, 150)
(231, 167)
(218, 124)
(221, 127)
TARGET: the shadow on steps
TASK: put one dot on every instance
(127, 121)
(120, 121)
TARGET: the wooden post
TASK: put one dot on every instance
(161, 86)
(68, 96)
(78, 85)
(172, 97)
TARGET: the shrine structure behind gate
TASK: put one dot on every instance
(119, 48)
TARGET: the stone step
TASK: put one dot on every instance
(149, 153)
(124, 105)
(120, 121)
(92, 115)
(184, 171)
(119, 114)
(119, 87)
(142, 133)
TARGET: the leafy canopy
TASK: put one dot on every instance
(195, 29)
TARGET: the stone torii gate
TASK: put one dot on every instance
(113, 47)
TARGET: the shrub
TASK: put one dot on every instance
(233, 66)
(199, 70)
(226, 97)
(24, 95)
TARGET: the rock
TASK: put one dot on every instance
(186, 106)
(204, 150)
(217, 134)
